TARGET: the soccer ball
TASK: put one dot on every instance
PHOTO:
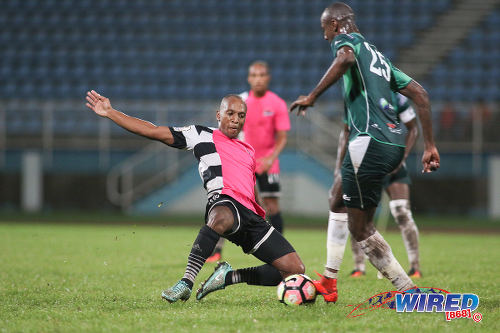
(296, 290)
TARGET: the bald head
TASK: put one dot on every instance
(232, 98)
(338, 11)
(338, 18)
(231, 115)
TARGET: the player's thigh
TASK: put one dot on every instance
(221, 217)
(398, 191)
(397, 184)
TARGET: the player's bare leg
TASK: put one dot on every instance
(401, 211)
(376, 248)
(220, 220)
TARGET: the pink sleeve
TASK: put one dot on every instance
(281, 119)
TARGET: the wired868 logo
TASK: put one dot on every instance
(453, 305)
(422, 299)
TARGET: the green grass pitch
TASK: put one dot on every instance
(67, 278)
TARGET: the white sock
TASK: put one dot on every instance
(401, 212)
(358, 255)
(335, 242)
(380, 255)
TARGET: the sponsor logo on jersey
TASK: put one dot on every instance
(213, 198)
(394, 130)
(182, 129)
(386, 106)
(267, 113)
(346, 197)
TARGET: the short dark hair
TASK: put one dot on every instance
(260, 63)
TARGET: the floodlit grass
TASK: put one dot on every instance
(58, 277)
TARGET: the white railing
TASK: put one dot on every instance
(147, 170)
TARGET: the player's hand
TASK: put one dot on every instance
(99, 104)
(430, 159)
(303, 102)
(265, 163)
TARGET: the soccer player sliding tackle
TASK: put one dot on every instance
(375, 145)
(265, 130)
(227, 169)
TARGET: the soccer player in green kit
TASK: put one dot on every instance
(397, 186)
(375, 140)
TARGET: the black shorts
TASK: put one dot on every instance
(268, 184)
(250, 231)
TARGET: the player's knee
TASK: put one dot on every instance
(335, 200)
(221, 220)
(336, 203)
(400, 210)
(361, 232)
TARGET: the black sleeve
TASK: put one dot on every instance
(179, 138)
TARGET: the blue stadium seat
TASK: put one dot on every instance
(200, 48)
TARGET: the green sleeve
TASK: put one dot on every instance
(344, 40)
(399, 80)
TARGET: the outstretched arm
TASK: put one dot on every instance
(102, 106)
(420, 98)
(343, 61)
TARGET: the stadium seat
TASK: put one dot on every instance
(200, 49)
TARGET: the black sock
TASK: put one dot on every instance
(201, 250)
(265, 275)
(277, 222)
(218, 246)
